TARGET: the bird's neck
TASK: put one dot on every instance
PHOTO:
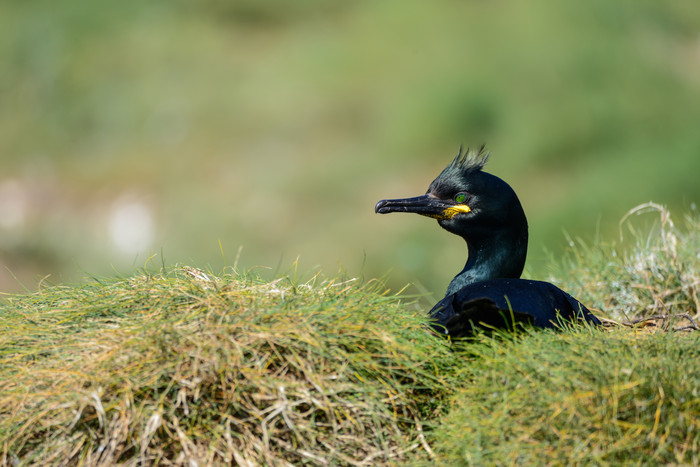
(491, 257)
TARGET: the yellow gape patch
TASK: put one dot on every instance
(452, 211)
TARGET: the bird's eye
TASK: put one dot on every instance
(460, 198)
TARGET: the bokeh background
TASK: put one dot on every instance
(146, 133)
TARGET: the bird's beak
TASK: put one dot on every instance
(425, 205)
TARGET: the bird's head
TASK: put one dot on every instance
(467, 201)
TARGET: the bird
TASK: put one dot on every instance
(488, 294)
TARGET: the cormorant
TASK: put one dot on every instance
(488, 292)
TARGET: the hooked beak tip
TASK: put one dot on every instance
(379, 207)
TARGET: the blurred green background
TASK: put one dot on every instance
(170, 127)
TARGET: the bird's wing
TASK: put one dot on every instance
(483, 313)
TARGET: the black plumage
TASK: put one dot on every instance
(488, 292)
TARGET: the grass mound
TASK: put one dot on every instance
(183, 366)
(581, 397)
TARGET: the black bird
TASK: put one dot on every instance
(488, 292)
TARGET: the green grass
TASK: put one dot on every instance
(182, 366)
(580, 397)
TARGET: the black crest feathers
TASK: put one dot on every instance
(470, 160)
(462, 167)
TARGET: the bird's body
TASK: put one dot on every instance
(495, 303)
(486, 212)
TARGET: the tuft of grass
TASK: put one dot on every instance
(580, 397)
(185, 366)
(656, 279)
